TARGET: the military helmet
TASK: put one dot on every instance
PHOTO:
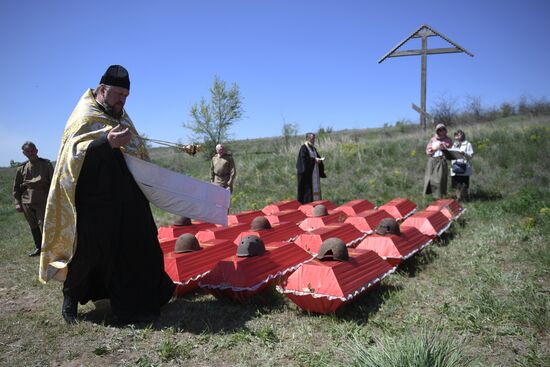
(333, 249)
(320, 210)
(260, 223)
(251, 246)
(187, 242)
(182, 221)
(388, 226)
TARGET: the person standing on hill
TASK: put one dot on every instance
(30, 190)
(222, 168)
(310, 170)
(435, 178)
(100, 237)
(461, 169)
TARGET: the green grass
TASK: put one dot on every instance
(428, 349)
(477, 297)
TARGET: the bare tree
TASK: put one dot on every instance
(444, 110)
(473, 108)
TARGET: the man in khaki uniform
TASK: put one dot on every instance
(222, 168)
(30, 190)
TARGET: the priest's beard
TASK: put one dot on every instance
(111, 111)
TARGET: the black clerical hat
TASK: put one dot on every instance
(116, 76)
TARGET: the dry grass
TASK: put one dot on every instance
(486, 283)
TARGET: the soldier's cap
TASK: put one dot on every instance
(116, 76)
(333, 249)
(182, 221)
(187, 242)
(260, 223)
(320, 210)
(388, 226)
(250, 246)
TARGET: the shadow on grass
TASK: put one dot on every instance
(445, 238)
(368, 304)
(198, 313)
(484, 195)
(415, 264)
(204, 313)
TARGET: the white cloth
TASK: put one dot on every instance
(466, 148)
(180, 194)
(435, 146)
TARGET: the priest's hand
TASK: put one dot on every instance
(118, 137)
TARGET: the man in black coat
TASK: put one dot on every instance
(310, 170)
(117, 255)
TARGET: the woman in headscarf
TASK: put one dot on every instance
(461, 169)
(435, 178)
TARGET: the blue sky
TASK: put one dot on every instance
(314, 63)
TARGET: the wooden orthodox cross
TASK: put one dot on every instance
(424, 32)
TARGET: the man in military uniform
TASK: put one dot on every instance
(30, 190)
(222, 168)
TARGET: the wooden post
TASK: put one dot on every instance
(423, 72)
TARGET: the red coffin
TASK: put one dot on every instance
(291, 215)
(167, 245)
(222, 233)
(395, 249)
(368, 220)
(186, 269)
(355, 207)
(280, 206)
(324, 286)
(176, 231)
(282, 232)
(307, 209)
(243, 217)
(311, 223)
(240, 278)
(312, 241)
(448, 207)
(429, 223)
(399, 208)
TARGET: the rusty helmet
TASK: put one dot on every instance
(333, 249)
(250, 246)
(187, 242)
(320, 210)
(260, 223)
(182, 221)
(388, 226)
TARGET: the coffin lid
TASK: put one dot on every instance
(251, 273)
(338, 280)
(399, 208)
(185, 267)
(430, 223)
(403, 246)
(354, 207)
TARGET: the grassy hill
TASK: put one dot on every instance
(477, 297)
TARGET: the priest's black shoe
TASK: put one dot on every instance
(36, 252)
(69, 310)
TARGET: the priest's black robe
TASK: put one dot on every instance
(304, 168)
(118, 254)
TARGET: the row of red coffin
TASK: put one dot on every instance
(291, 245)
